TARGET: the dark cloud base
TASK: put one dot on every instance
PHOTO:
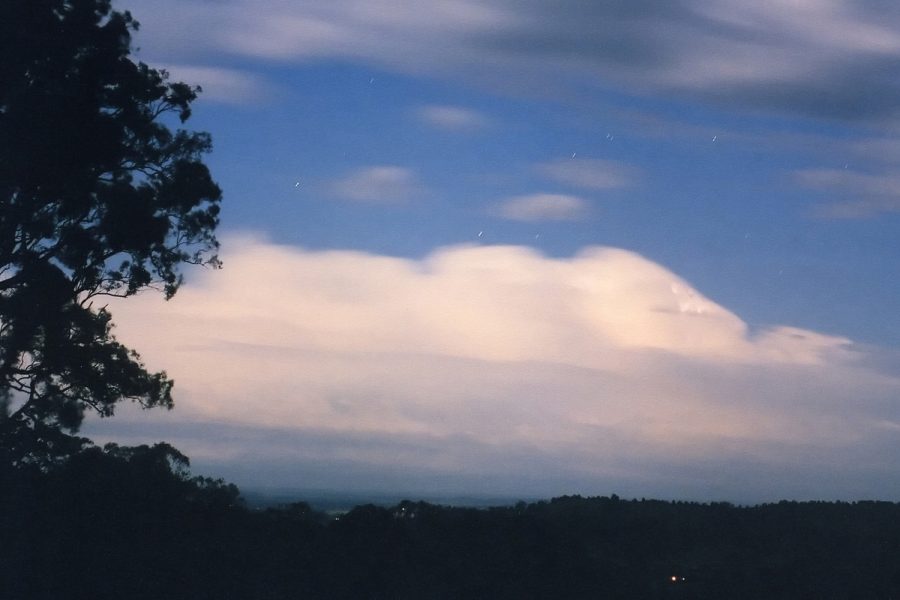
(282, 461)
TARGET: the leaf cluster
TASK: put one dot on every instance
(99, 196)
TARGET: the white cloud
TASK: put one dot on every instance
(227, 86)
(497, 362)
(452, 118)
(593, 174)
(379, 184)
(542, 207)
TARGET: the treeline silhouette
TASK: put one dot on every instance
(127, 523)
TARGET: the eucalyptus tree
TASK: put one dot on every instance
(102, 193)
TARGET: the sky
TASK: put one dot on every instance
(537, 248)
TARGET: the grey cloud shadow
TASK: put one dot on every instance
(360, 462)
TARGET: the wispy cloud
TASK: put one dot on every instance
(498, 362)
(592, 174)
(380, 184)
(879, 150)
(452, 118)
(227, 86)
(824, 59)
(542, 207)
(853, 194)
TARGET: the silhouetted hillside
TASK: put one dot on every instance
(131, 523)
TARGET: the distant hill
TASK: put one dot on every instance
(332, 501)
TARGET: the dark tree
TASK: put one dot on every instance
(98, 197)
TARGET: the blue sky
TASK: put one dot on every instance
(536, 248)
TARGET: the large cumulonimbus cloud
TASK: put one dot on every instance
(496, 366)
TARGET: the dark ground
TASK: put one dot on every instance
(130, 523)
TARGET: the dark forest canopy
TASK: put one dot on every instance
(98, 198)
(129, 523)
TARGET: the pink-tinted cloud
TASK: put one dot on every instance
(603, 366)
(452, 118)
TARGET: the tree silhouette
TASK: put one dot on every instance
(98, 197)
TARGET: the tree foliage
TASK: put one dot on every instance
(129, 523)
(101, 194)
